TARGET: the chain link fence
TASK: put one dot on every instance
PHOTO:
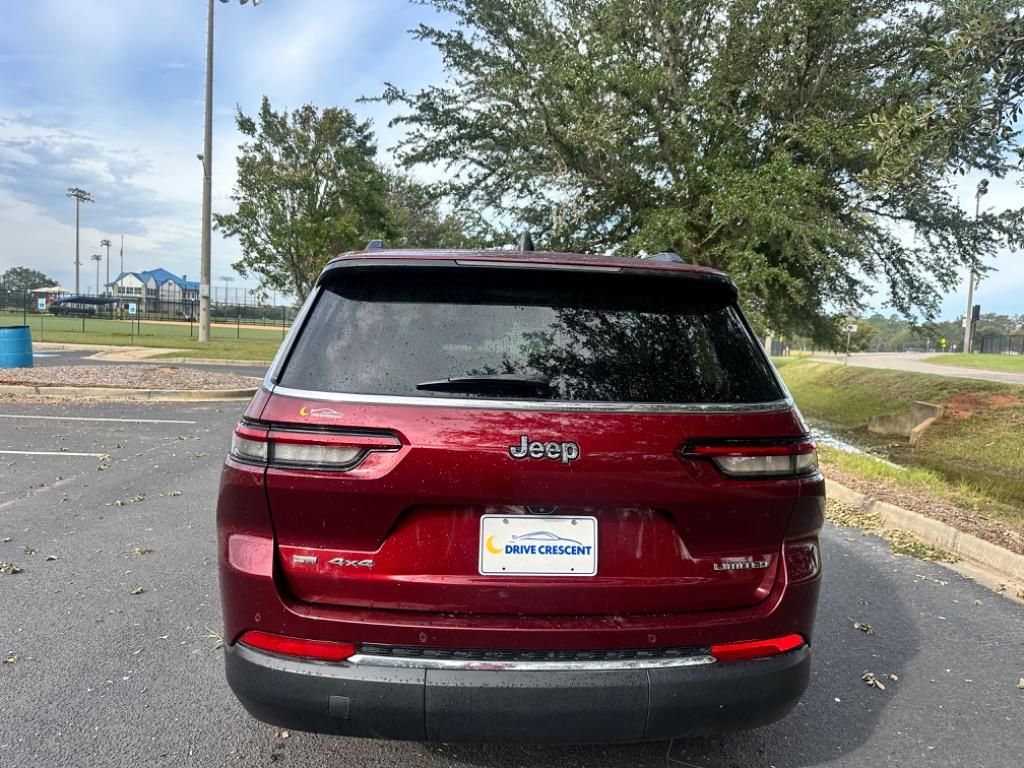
(97, 312)
(1003, 345)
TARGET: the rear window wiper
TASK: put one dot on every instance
(497, 383)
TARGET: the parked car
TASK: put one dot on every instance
(520, 497)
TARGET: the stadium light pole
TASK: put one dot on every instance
(105, 242)
(81, 196)
(207, 160)
(97, 257)
(982, 190)
(227, 279)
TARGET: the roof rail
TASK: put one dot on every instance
(376, 245)
(525, 241)
(668, 256)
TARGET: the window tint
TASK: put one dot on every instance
(592, 337)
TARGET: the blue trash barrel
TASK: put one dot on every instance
(15, 346)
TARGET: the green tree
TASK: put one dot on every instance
(17, 280)
(804, 146)
(308, 187)
(416, 219)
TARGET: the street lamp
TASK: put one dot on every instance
(981, 191)
(97, 257)
(81, 196)
(207, 160)
(105, 242)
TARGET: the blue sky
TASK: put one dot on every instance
(108, 95)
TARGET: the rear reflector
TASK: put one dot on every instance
(753, 459)
(321, 650)
(756, 649)
(802, 560)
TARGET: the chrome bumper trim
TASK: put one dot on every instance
(408, 662)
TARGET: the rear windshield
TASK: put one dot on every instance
(538, 334)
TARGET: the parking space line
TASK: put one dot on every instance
(53, 453)
(90, 418)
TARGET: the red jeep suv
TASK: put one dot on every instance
(519, 497)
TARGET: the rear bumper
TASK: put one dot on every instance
(558, 706)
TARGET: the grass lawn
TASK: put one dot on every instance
(1013, 363)
(974, 452)
(227, 342)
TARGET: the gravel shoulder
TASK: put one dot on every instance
(126, 377)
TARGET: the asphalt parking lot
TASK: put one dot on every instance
(118, 665)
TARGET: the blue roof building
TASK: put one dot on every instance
(156, 290)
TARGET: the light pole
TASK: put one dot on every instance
(972, 277)
(207, 160)
(81, 196)
(97, 257)
(227, 279)
(106, 242)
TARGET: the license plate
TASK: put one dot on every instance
(528, 545)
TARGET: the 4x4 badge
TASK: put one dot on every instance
(557, 451)
(344, 561)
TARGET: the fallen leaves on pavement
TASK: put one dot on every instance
(864, 627)
(871, 679)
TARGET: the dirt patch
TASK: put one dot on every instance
(963, 405)
(975, 523)
(1004, 401)
(125, 377)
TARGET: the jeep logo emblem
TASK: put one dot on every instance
(564, 452)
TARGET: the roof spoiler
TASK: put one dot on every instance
(668, 256)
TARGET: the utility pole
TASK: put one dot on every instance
(81, 196)
(97, 257)
(207, 160)
(106, 242)
(122, 254)
(972, 277)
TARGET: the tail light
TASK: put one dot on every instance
(756, 649)
(324, 451)
(321, 650)
(758, 458)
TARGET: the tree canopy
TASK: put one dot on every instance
(308, 187)
(17, 280)
(806, 147)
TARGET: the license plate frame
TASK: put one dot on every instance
(533, 545)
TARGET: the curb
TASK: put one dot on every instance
(116, 393)
(70, 347)
(935, 533)
(204, 361)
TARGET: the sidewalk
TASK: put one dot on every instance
(918, 363)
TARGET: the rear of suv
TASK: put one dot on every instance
(519, 497)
